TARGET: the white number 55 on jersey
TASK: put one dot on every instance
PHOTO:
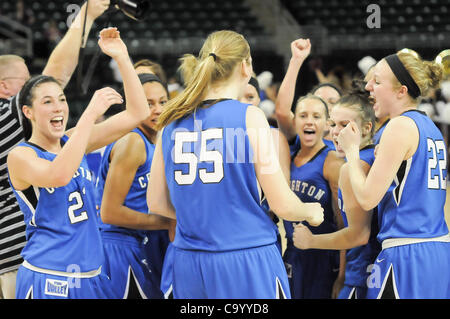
(192, 160)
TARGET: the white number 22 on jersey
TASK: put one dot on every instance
(438, 180)
(192, 160)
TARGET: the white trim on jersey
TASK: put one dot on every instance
(29, 205)
(29, 294)
(168, 292)
(394, 285)
(81, 275)
(279, 288)
(127, 288)
(403, 182)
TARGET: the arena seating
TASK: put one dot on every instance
(349, 17)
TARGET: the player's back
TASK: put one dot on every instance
(413, 207)
(212, 180)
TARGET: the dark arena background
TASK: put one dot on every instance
(347, 37)
(341, 32)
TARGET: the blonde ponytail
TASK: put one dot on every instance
(427, 74)
(220, 53)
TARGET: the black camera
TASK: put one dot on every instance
(135, 9)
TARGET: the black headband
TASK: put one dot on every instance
(402, 75)
(150, 77)
(255, 83)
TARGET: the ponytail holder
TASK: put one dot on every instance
(214, 56)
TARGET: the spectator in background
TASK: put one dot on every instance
(24, 15)
(52, 34)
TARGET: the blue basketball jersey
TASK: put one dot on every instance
(413, 207)
(358, 258)
(212, 181)
(309, 184)
(136, 198)
(61, 226)
(295, 145)
(311, 272)
(377, 136)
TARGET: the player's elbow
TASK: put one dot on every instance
(60, 179)
(367, 204)
(281, 114)
(105, 216)
(139, 113)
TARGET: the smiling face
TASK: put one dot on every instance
(49, 111)
(340, 116)
(156, 98)
(382, 90)
(310, 121)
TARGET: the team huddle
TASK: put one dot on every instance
(189, 188)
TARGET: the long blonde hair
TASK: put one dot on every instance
(426, 74)
(218, 57)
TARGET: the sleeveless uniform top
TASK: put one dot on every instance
(309, 184)
(61, 226)
(358, 258)
(413, 207)
(136, 198)
(212, 180)
(379, 132)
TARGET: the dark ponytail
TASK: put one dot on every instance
(25, 97)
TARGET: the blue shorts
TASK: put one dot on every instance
(311, 272)
(129, 271)
(352, 292)
(36, 285)
(155, 248)
(167, 273)
(414, 271)
(252, 273)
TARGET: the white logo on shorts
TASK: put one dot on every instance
(56, 288)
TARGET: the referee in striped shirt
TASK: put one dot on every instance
(13, 75)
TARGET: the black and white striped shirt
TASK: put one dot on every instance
(12, 226)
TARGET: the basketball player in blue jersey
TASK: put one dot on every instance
(314, 178)
(359, 236)
(407, 181)
(123, 180)
(285, 117)
(63, 257)
(213, 162)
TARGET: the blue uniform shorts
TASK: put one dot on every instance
(129, 270)
(311, 272)
(352, 292)
(36, 285)
(252, 273)
(413, 271)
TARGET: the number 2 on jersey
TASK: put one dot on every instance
(193, 160)
(78, 204)
(436, 181)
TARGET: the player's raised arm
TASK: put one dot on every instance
(64, 58)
